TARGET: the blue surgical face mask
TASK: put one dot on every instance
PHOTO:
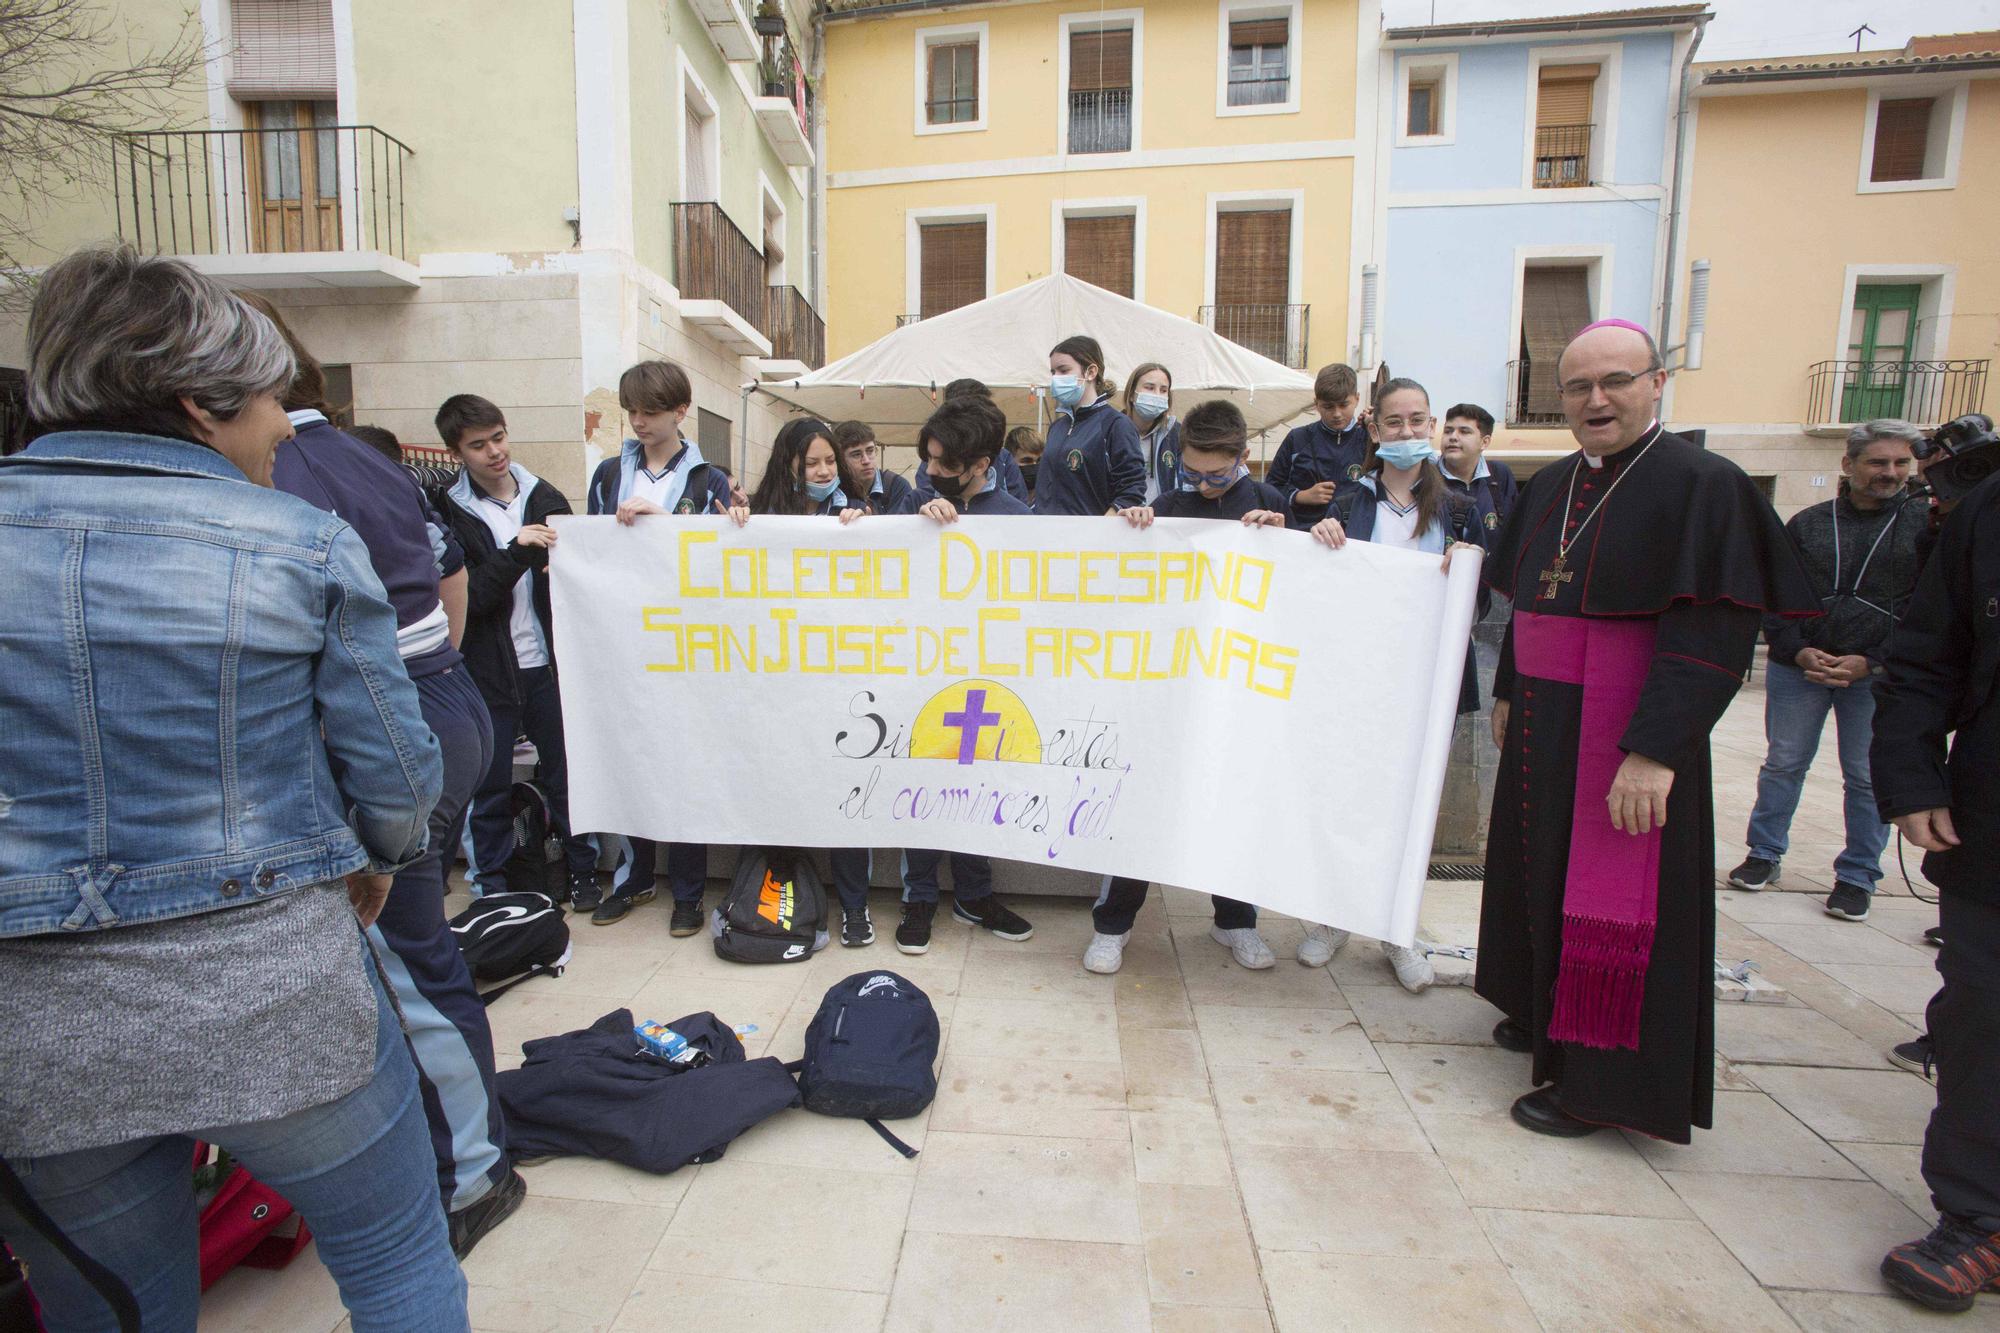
(1067, 390)
(1149, 406)
(1404, 453)
(820, 490)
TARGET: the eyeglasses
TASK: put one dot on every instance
(1192, 478)
(1419, 423)
(1616, 382)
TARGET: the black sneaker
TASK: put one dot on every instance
(1935, 937)
(1848, 901)
(1947, 1268)
(616, 908)
(991, 913)
(1755, 874)
(1915, 1056)
(914, 934)
(584, 895)
(470, 1224)
(687, 919)
(856, 930)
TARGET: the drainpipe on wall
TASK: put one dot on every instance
(1680, 176)
(816, 199)
(741, 462)
(1371, 279)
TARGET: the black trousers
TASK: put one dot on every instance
(1119, 900)
(1962, 1146)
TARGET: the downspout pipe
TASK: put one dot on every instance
(1678, 190)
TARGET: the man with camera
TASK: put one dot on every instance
(1862, 545)
(1942, 670)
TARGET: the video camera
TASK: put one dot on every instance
(1971, 454)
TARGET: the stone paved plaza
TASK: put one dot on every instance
(1189, 1146)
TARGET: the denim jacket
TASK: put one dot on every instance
(202, 701)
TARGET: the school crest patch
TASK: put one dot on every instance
(1493, 520)
(686, 506)
(1167, 457)
(1354, 472)
(1075, 460)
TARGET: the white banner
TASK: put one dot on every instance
(1239, 711)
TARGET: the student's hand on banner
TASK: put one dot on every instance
(1139, 516)
(1328, 532)
(1502, 710)
(536, 534)
(1638, 796)
(629, 511)
(941, 509)
(1263, 518)
(1930, 829)
(366, 893)
(1319, 493)
(739, 514)
(851, 514)
(1455, 546)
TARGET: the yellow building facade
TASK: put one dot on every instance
(1846, 208)
(1200, 157)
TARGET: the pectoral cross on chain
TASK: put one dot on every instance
(1553, 576)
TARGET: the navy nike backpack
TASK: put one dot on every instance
(871, 1053)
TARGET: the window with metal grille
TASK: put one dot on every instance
(1259, 61)
(953, 84)
(953, 259)
(1902, 138)
(1099, 250)
(712, 434)
(1100, 90)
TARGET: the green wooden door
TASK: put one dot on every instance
(1881, 337)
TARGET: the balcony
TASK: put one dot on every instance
(1925, 392)
(720, 275)
(308, 207)
(1100, 120)
(1562, 157)
(784, 111)
(797, 333)
(1275, 331)
(729, 28)
(1533, 398)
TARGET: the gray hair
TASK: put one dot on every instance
(116, 339)
(1882, 428)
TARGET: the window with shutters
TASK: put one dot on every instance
(1100, 71)
(1565, 103)
(951, 265)
(1257, 71)
(1427, 89)
(951, 79)
(1912, 141)
(1253, 303)
(701, 143)
(774, 234)
(1556, 302)
(1101, 249)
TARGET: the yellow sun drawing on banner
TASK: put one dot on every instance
(975, 719)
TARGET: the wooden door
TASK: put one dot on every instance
(294, 167)
(1881, 337)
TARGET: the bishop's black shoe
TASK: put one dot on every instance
(1541, 1111)
(1511, 1036)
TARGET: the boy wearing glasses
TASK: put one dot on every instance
(862, 475)
(1215, 482)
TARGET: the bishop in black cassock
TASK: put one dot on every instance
(1639, 568)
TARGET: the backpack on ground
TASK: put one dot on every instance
(243, 1221)
(536, 863)
(871, 1053)
(512, 935)
(775, 910)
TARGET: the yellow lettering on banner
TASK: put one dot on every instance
(1044, 653)
(1086, 561)
(1139, 566)
(949, 543)
(884, 654)
(954, 650)
(782, 617)
(659, 620)
(1047, 574)
(856, 657)
(884, 561)
(1285, 663)
(987, 616)
(1002, 583)
(1133, 642)
(1267, 572)
(742, 572)
(1081, 647)
(816, 638)
(689, 588)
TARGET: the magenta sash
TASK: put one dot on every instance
(1611, 892)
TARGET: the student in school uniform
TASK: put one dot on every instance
(1487, 482)
(1093, 463)
(863, 479)
(1004, 465)
(1402, 501)
(657, 471)
(1212, 480)
(958, 444)
(499, 512)
(1322, 458)
(803, 477)
(1149, 403)
(1026, 446)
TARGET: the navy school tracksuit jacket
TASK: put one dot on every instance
(1004, 467)
(1093, 462)
(1311, 454)
(611, 484)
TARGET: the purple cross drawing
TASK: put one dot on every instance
(970, 722)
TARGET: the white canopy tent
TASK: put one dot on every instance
(896, 382)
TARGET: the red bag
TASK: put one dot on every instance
(246, 1222)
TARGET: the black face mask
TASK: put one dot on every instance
(1028, 471)
(951, 488)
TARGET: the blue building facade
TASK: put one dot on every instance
(1527, 189)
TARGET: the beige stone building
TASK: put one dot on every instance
(515, 198)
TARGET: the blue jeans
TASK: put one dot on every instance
(1794, 714)
(360, 1170)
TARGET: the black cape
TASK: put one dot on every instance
(1689, 542)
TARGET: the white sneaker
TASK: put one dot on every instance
(1320, 945)
(1106, 953)
(1413, 967)
(1247, 946)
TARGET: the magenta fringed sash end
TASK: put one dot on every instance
(1601, 982)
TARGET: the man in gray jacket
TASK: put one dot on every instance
(1862, 546)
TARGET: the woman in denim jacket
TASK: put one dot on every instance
(212, 760)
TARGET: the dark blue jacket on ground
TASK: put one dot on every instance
(1311, 454)
(1093, 462)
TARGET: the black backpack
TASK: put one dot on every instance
(535, 864)
(517, 935)
(870, 1053)
(775, 910)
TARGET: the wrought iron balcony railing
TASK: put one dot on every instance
(1925, 392)
(1533, 397)
(1276, 331)
(1562, 157)
(796, 331)
(714, 261)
